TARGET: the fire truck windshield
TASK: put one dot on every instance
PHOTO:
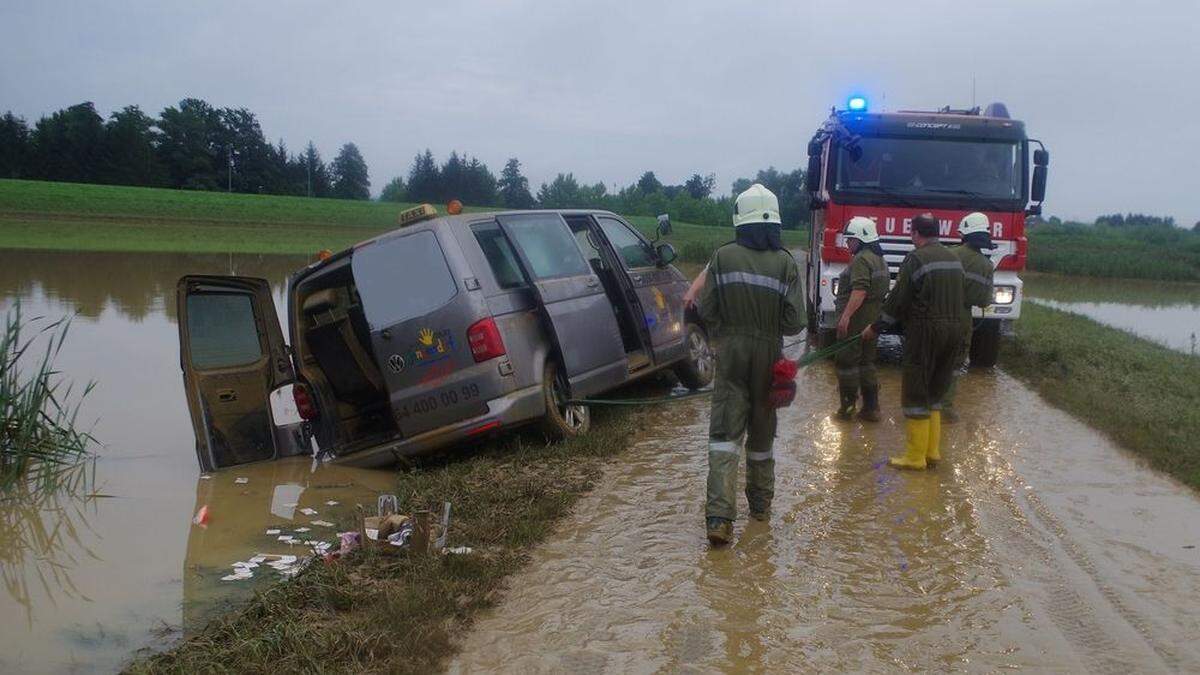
(922, 167)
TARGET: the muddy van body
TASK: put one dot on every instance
(435, 334)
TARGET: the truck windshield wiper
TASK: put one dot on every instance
(989, 202)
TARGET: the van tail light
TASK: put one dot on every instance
(485, 341)
(304, 402)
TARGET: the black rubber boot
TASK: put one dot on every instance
(870, 409)
(849, 399)
(719, 531)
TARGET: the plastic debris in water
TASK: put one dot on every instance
(241, 480)
(308, 512)
(273, 531)
(201, 518)
(458, 550)
(286, 537)
(332, 503)
(302, 529)
(205, 477)
(322, 523)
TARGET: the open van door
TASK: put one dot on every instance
(233, 357)
(579, 316)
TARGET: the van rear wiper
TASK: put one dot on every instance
(987, 201)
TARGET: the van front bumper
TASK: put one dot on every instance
(506, 411)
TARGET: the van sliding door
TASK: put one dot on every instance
(578, 314)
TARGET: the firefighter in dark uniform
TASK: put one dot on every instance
(751, 297)
(861, 289)
(977, 292)
(928, 300)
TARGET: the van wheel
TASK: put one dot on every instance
(562, 421)
(696, 371)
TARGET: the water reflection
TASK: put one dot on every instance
(90, 576)
(1165, 312)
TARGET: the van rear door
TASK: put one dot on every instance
(233, 357)
(578, 314)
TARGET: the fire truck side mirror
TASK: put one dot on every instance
(812, 176)
(1037, 192)
(1041, 158)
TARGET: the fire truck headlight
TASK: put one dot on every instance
(834, 286)
(1004, 295)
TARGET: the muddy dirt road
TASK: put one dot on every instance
(1037, 545)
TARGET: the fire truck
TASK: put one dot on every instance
(893, 166)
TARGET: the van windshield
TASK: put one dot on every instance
(402, 278)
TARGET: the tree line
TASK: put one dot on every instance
(197, 146)
(192, 146)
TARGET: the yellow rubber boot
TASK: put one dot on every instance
(916, 443)
(933, 454)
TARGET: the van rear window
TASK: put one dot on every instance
(402, 278)
(221, 330)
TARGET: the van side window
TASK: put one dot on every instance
(548, 245)
(402, 278)
(632, 249)
(500, 255)
(221, 330)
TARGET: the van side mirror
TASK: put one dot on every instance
(664, 225)
(666, 254)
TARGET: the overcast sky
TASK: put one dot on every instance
(610, 89)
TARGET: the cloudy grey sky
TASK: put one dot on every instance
(610, 89)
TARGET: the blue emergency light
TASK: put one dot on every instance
(857, 104)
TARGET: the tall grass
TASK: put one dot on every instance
(39, 444)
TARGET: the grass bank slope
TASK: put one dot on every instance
(1139, 252)
(1144, 396)
(74, 216)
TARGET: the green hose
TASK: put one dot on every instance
(804, 361)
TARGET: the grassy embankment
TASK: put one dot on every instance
(1143, 395)
(1161, 253)
(79, 217)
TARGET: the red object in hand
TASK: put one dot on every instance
(784, 370)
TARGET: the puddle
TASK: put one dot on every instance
(90, 580)
(1037, 545)
(1167, 313)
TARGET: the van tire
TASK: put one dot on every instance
(696, 370)
(561, 421)
(985, 344)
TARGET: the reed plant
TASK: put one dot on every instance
(40, 446)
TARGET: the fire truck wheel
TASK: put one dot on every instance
(985, 344)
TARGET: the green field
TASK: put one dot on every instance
(1159, 253)
(81, 217)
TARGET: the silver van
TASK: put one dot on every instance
(445, 330)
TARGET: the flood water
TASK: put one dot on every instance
(1165, 312)
(90, 578)
(1036, 545)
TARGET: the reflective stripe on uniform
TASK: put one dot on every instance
(760, 456)
(978, 277)
(935, 267)
(723, 446)
(917, 411)
(762, 280)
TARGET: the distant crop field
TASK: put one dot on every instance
(74, 216)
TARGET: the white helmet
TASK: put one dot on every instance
(973, 223)
(756, 205)
(863, 229)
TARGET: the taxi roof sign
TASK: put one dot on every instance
(415, 215)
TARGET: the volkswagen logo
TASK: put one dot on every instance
(396, 363)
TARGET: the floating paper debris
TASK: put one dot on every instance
(290, 505)
(308, 512)
(237, 576)
(286, 537)
(458, 550)
(287, 559)
(373, 534)
(322, 523)
(273, 531)
(205, 477)
(259, 558)
(302, 529)
(331, 503)
(241, 480)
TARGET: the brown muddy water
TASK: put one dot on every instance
(91, 578)
(1165, 312)
(1036, 545)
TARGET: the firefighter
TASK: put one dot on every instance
(751, 297)
(860, 292)
(928, 299)
(977, 292)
